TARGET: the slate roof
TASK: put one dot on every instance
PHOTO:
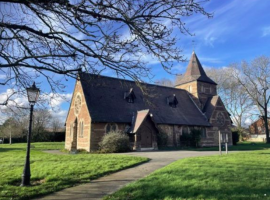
(105, 101)
(195, 72)
(209, 106)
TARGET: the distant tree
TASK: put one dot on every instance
(254, 77)
(11, 128)
(164, 82)
(55, 124)
(46, 38)
(233, 95)
(41, 122)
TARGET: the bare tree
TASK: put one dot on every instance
(254, 77)
(40, 39)
(55, 124)
(11, 128)
(233, 95)
(164, 82)
(178, 78)
(41, 121)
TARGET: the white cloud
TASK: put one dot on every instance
(57, 100)
(60, 115)
(248, 121)
(209, 40)
(220, 28)
(15, 100)
(127, 36)
(266, 31)
(2, 76)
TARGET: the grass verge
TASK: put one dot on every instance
(235, 176)
(50, 173)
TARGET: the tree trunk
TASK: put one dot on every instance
(10, 138)
(266, 124)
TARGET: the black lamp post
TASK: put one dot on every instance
(32, 93)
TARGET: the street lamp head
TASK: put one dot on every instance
(32, 93)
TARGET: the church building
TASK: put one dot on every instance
(102, 104)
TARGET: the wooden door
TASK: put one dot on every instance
(146, 137)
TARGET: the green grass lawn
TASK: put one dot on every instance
(234, 176)
(241, 146)
(50, 172)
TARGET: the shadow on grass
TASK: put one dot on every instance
(10, 149)
(67, 182)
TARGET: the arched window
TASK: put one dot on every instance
(81, 129)
(111, 127)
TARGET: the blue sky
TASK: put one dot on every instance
(239, 30)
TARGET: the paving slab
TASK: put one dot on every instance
(97, 189)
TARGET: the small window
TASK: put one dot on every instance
(111, 127)
(130, 96)
(190, 88)
(172, 101)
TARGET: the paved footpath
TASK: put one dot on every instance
(103, 186)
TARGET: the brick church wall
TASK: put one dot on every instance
(199, 91)
(99, 130)
(173, 133)
(213, 132)
(83, 116)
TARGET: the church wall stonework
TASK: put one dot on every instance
(82, 140)
(99, 130)
(199, 91)
(173, 133)
(191, 88)
(217, 126)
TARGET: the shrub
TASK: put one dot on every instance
(185, 139)
(195, 137)
(162, 139)
(191, 139)
(115, 142)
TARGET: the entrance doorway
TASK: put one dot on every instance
(146, 137)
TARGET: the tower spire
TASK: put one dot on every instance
(195, 72)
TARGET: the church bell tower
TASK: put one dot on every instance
(197, 83)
